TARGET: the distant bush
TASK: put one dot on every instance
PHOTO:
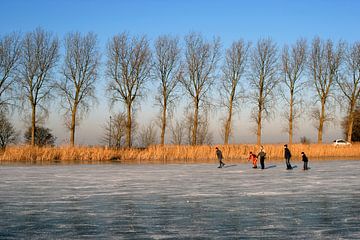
(7, 131)
(305, 140)
(355, 136)
(43, 136)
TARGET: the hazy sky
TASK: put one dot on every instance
(283, 21)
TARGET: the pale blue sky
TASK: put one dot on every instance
(283, 21)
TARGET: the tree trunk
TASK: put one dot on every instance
(128, 126)
(321, 122)
(72, 126)
(260, 107)
(228, 125)
(350, 127)
(33, 125)
(350, 122)
(258, 133)
(196, 121)
(291, 119)
(163, 126)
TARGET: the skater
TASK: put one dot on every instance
(287, 156)
(305, 160)
(262, 155)
(253, 158)
(220, 157)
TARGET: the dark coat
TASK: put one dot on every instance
(304, 158)
(287, 153)
(219, 154)
(261, 154)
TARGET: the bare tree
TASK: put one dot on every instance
(204, 136)
(39, 56)
(167, 71)
(128, 67)
(10, 49)
(7, 131)
(350, 85)
(293, 66)
(199, 73)
(324, 65)
(115, 130)
(177, 132)
(80, 72)
(263, 80)
(147, 135)
(355, 136)
(231, 89)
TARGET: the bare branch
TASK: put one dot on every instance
(324, 66)
(128, 69)
(39, 56)
(231, 89)
(201, 60)
(293, 66)
(10, 50)
(80, 72)
(167, 70)
(350, 85)
(263, 79)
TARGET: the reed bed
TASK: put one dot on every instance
(170, 154)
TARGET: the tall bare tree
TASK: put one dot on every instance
(324, 65)
(177, 130)
(10, 49)
(263, 79)
(167, 71)
(39, 56)
(80, 72)
(201, 58)
(128, 67)
(293, 66)
(231, 88)
(350, 85)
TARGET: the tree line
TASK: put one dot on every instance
(33, 73)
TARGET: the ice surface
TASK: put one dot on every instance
(180, 201)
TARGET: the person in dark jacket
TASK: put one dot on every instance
(305, 160)
(262, 155)
(287, 156)
(220, 157)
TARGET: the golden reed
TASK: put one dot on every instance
(170, 154)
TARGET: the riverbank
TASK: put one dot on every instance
(170, 153)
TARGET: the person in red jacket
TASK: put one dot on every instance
(253, 158)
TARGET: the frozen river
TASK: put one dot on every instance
(200, 201)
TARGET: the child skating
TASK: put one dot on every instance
(305, 160)
(253, 158)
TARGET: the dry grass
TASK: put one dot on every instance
(169, 154)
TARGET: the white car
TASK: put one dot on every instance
(340, 142)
